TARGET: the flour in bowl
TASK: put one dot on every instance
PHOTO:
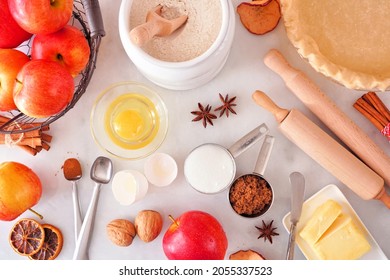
(189, 41)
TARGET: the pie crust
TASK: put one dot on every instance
(348, 40)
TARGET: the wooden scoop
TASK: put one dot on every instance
(155, 25)
(326, 151)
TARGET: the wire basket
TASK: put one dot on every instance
(87, 17)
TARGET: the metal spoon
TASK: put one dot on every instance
(297, 195)
(72, 172)
(101, 173)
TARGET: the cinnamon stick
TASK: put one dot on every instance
(373, 115)
(372, 98)
(368, 116)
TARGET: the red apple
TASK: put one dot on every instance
(68, 46)
(41, 16)
(11, 61)
(20, 189)
(195, 235)
(11, 34)
(43, 88)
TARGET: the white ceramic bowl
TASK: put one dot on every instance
(180, 75)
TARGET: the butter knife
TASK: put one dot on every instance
(297, 181)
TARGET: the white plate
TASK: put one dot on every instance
(331, 192)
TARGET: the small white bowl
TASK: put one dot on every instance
(184, 75)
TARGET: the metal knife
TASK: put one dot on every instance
(297, 181)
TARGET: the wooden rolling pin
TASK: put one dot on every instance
(328, 112)
(330, 154)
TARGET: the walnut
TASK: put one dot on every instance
(121, 232)
(148, 224)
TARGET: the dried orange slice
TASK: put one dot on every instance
(52, 245)
(26, 237)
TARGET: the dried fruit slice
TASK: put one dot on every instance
(261, 2)
(26, 237)
(246, 255)
(52, 244)
(259, 18)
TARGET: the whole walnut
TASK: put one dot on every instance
(148, 224)
(121, 232)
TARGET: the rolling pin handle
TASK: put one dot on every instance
(384, 197)
(264, 101)
(277, 63)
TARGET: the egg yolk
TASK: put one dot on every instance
(128, 125)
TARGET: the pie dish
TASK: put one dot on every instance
(348, 41)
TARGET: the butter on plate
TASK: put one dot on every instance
(333, 235)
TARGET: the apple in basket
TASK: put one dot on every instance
(11, 61)
(41, 16)
(20, 189)
(68, 46)
(43, 88)
(11, 34)
(195, 235)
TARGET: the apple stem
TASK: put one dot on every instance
(36, 213)
(173, 220)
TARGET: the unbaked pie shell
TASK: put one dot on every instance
(348, 41)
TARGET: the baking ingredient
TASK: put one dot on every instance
(259, 19)
(320, 221)
(195, 235)
(343, 240)
(72, 169)
(204, 20)
(246, 255)
(129, 186)
(11, 34)
(160, 169)
(209, 168)
(20, 189)
(228, 104)
(27, 237)
(121, 232)
(204, 114)
(132, 121)
(372, 107)
(32, 141)
(41, 16)
(250, 195)
(11, 61)
(68, 46)
(38, 92)
(155, 25)
(333, 234)
(267, 231)
(52, 244)
(148, 224)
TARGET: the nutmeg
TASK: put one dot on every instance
(121, 232)
(148, 225)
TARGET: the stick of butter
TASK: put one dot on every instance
(342, 241)
(321, 220)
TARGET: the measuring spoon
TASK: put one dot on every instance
(251, 195)
(101, 173)
(210, 168)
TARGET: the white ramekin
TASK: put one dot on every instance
(184, 75)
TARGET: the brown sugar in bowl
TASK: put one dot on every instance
(250, 195)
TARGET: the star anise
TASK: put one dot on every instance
(267, 231)
(227, 105)
(204, 115)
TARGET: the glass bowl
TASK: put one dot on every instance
(129, 120)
